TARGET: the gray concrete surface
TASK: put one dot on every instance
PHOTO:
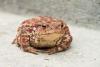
(84, 51)
(82, 16)
(79, 12)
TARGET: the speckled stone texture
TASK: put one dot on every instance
(79, 12)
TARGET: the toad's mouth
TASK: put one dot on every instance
(47, 40)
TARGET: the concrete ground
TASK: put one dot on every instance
(84, 51)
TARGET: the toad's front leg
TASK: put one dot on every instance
(24, 42)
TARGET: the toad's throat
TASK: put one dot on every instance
(48, 40)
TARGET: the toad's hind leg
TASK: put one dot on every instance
(24, 42)
(64, 44)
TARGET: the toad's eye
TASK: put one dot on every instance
(61, 25)
(44, 26)
(41, 26)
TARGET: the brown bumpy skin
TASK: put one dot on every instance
(43, 34)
